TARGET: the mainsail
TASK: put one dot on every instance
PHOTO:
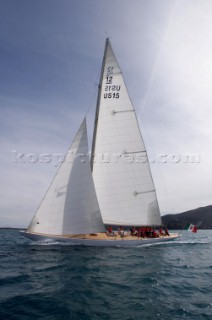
(70, 205)
(121, 171)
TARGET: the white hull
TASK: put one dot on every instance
(100, 243)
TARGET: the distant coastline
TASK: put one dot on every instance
(13, 228)
(202, 217)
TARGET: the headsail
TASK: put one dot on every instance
(70, 205)
(121, 172)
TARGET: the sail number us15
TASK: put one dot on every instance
(110, 88)
(110, 95)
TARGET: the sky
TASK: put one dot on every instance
(50, 59)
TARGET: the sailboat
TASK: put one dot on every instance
(112, 188)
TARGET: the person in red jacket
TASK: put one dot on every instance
(166, 231)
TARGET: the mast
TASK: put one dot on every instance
(98, 105)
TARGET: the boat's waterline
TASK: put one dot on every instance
(100, 239)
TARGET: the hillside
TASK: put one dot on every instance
(202, 216)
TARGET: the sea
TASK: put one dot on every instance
(52, 281)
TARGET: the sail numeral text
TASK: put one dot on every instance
(110, 70)
(110, 95)
(109, 79)
(110, 86)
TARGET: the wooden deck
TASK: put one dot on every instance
(104, 236)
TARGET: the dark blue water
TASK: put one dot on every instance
(49, 282)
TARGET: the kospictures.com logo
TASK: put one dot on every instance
(124, 157)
